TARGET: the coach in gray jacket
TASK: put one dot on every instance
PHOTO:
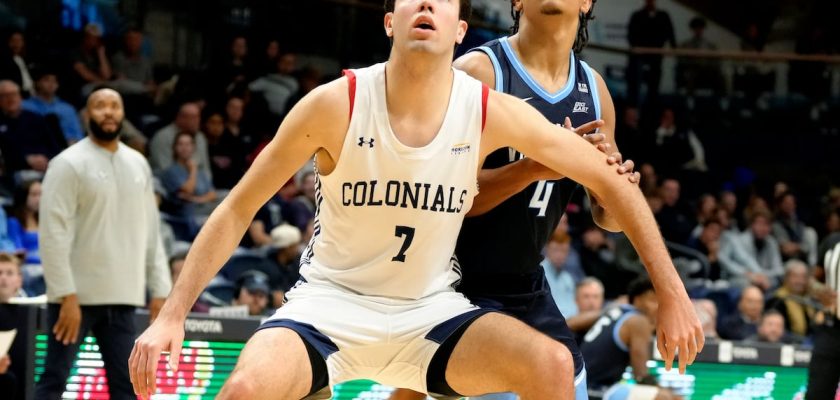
(100, 249)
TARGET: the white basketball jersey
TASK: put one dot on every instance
(389, 215)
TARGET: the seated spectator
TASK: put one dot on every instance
(280, 86)
(26, 141)
(728, 260)
(227, 155)
(272, 214)
(589, 299)
(11, 278)
(6, 244)
(133, 70)
(674, 222)
(744, 322)
(45, 103)
(188, 120)
(597, 255)
(91, 61)
(763, 247)
(13, 63)
(792, 299)
(176, 265)
(23, 231)
(305, 181)
(707, 313)
(623, 337)
(796, 239)
(10, 282)
(728, 201)
(252, 290)
(676, 146)
(285, 254)
(771, 329)
(189, 189)
(560, 281)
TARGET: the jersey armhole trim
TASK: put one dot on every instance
(616, 331)
(593, 84)
(497, 68)
(351, 87)
(485, 92)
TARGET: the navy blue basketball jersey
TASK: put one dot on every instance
(607, 357)
(509, 239)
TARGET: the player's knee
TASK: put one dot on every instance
(237, 387)
(556, 365)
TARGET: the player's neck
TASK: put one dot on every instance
(544, 51)
(415, 85)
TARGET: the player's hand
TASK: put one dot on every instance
(163, 335)
(624, 167)
(678, 330)
(66, 329)
(5, 362)
(155, 305)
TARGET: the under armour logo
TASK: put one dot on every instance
(363, 142)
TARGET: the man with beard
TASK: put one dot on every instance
(100, 248)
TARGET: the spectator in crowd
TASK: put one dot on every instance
(706, 210)
(227, 156)
(285, 255)
(14, 65)
(832, 222)
(744, 322)
(275, 212)
(707, 312)
(728, 201)
(252, 290)
(771, 329)
(237, 68)
(305, 182)
(11, 278)
(561, 281)
(91, 61)
(589, 299)
(792, 299)
(796, 240)
(708, 244)
(763, 247)
(675, 224)
(10, 282)
(279, 86)
(597, 255)
(132, 69)
(234, 116)
(25, 139)
(187, 120)
(100, 249)
(6, 244)
(648, 27)
(189, 189)
(649, 180)
(695, 72)
(676, 146)
(23, 223)
(176, 264)
(269, 61)
(45, 102)
(622, 337)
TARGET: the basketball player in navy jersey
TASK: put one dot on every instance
(396, 172)
(522, 201)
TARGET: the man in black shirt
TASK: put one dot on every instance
(649, 27)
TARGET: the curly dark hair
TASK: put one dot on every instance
(583, 27)
(466, 8)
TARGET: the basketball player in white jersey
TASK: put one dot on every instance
(397, 166)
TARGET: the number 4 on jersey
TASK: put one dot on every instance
(542, 196)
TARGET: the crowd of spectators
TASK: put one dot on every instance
(741, 250)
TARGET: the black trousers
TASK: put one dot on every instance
(823, 372)
(113, 327)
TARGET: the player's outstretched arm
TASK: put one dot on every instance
(316, 123)
(569, 154)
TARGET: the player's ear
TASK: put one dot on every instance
(462, 31)
(585, 6)
(517, 5)
(389, 24)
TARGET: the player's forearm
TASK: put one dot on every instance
(499, 184)
(627, 204)
(583, 321)
(211, 249)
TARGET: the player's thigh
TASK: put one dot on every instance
(273, 365)
(498, 353)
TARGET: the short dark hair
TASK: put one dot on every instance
(697, 23)
(638, 287)
(464, 14)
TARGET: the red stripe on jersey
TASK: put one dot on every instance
(351, 86)
(485, 91)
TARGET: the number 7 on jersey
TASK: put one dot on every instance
(408, 232)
